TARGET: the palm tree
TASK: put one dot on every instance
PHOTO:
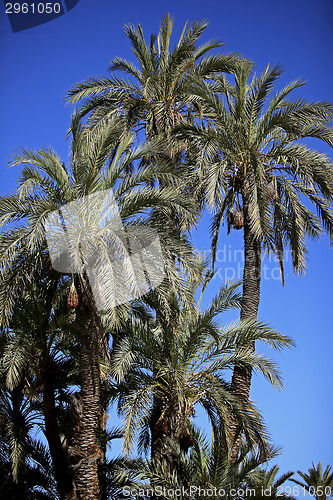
(206, 471)
(167, 364)
(318, 483)
(38, 354)
(157, 94)
(26, 469)
(259, 177)
(266, 485)
(98, 164)
(17, 420)
(35, 480)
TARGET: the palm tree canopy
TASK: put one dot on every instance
(317, 482)
(157, 94)
(99, 164)
(180, 360)
(251, 152)
(206, 468)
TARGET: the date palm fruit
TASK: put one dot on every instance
(73, 298)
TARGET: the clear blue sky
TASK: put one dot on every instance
(37, 67)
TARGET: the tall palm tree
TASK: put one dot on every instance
(156, 95)
(167, 364)
(259, 177)
(99, 163)
(317, 482)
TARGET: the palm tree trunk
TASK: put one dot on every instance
(169, 425)
(85, 449)
(62, 471)
(241, 378)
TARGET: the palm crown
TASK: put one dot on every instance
(167, 365)
(157, 94)
(317, 482)
(255, 169)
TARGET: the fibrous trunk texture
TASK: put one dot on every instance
(241, 378)
(85, 451)
(170, 423)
